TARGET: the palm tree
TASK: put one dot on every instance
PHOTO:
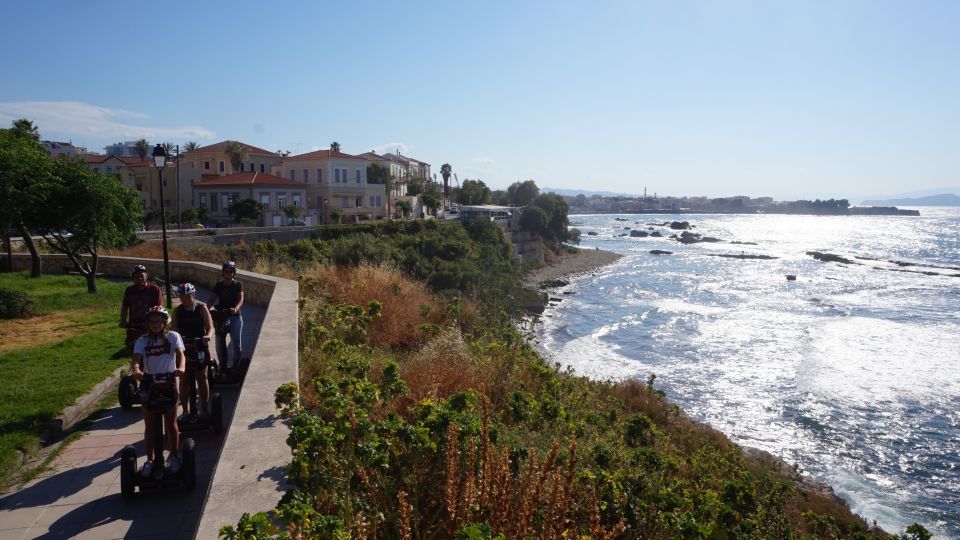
(190, 146)
(237, 154)
(168, 148)
(445, 171)
(334, 146)
(142, 147)
(27, 128)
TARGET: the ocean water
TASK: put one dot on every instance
(852, 372)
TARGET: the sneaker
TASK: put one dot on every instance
(147, 469)
(174, 464)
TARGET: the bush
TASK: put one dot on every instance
(16, 304)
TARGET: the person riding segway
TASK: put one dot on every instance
(192, 320)
(138, 298)
(157, 360)
(228, 295)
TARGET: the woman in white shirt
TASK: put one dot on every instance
(159, 352)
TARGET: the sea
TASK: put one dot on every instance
(851, 371)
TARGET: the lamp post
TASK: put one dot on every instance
(160, 159)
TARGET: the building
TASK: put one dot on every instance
(212, 161)
(55, 149)
(274, 193)
(123, 149)
(139, 175)
(335, 182)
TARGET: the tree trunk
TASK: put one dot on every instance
(91, 274)
(36, 266)
(9, 244)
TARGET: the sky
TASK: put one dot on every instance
(812, 99)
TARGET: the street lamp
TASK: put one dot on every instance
(160, 159)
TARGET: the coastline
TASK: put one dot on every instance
(569, 265)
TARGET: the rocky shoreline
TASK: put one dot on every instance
(569, 265)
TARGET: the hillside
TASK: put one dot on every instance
(943, 199)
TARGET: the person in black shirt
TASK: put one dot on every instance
(227, 296)
(191, 319)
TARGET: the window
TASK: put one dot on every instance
(166, 203)
(265, 201)
(261, 167)
(358, 203)
(225, 199)
(221, 166)
(203, 200)
(281, 200)
(319, 176)
(253, 166)
(206, 165)
(293, 174)
(340, 175)
(213, 202)
(344, 202)
(241, 167)
(306, 176)
(357, 171)
(373, 200)
(296, 200)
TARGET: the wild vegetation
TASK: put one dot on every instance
(423, 412)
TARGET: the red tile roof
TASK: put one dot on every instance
(219, 147)
(248, 179)
(322, 154)
(99, 158)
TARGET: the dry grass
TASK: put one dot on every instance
(151, 250)
(36, 331)
(441, 368)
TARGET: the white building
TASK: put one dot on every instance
(335, 181)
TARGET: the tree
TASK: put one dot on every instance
(523, 193)
(236, 153)
(188, 214)
(473, 192)
(190, 146)
(88, 211)
(203, 214)
(431, 201)
(168, 147)
(246, 211)
(445, 171)
(556, 210)
(405, 208)
(25, 185)
(334, 146)
(534, 220)
(26, 128)
(142, 147)
(292, 211)
(500, 197)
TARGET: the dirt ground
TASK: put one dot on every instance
(20, 333)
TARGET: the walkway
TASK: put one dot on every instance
(81, 498)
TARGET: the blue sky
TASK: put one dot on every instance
(785, 99)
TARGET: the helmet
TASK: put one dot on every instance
(229, 265)
(138, 268)
(186, 288)
(159, 310)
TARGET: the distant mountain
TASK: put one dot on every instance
(585, 193)
(943, 199)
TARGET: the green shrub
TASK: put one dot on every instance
(16, 304)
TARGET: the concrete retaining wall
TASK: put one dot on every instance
(250, 471)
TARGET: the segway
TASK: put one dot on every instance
(159, 397)
(192, 419)
(128, 393)
(219, 374)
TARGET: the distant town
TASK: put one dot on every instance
(598, 204)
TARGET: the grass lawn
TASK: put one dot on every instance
(50, 360)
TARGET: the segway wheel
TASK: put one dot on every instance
(216, 413)
(128, 472)
(126, 391)
(189, 469)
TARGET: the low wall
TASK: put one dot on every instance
(250, 472)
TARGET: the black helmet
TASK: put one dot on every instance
(228, 265)
(137, 268)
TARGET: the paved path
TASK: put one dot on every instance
(81, 498)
